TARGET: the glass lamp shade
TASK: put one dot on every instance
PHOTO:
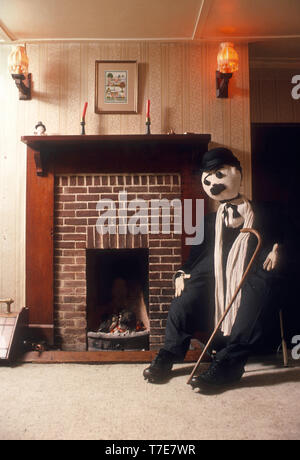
(18, 61)
(228, 59)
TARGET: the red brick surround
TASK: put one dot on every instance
(76, 198)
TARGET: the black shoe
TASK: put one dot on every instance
(219, 373)
(160, 368)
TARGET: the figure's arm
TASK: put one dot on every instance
(196, 253)
(272, 259)
(184, 272)
(278, 229)
(179, 278)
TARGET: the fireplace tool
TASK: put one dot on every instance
(243, 230)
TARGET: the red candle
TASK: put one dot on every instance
(148, 109)
(84, 111)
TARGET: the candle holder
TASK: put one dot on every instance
(148, 124)
(82, 127)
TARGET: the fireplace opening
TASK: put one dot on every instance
(117, 299)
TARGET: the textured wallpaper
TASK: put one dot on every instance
(271, 94)
(178, 78)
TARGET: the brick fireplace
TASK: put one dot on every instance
(75, 231)
(66, 177)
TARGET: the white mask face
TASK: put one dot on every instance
(223, 183)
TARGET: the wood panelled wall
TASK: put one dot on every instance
(178, 78)
(270, 89)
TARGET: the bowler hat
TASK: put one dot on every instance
(220, 156)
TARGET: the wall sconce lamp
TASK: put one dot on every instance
(18, 68)
(228, 62)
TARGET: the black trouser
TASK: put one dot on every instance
(194, 311)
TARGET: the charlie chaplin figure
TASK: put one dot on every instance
(206, 283)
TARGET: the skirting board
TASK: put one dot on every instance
(100, 357)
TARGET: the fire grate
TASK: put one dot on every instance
(121, 341)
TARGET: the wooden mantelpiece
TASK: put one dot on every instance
(48, 156)
(50, 150)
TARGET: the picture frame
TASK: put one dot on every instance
(116, 87)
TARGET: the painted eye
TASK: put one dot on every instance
(219, 174)
(206, 182)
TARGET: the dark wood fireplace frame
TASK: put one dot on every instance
(48, 156)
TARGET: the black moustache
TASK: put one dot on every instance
(217, 189)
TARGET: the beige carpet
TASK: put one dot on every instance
(113, 402)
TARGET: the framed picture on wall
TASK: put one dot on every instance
(116, 89)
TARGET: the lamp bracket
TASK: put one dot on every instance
(24, 86)
(222, 80)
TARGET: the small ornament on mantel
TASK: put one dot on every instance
(40, 129)
(83, 118)
(171, 132)
(148, 121)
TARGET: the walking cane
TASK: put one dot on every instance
(243, 230)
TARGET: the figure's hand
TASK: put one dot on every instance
(272, 259)
(179, 283)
